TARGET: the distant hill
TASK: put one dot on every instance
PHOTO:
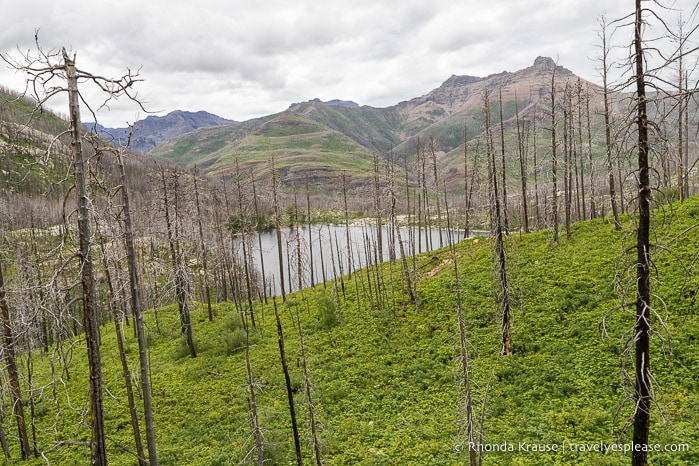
(441, 114)
(155, 130)
(332, 103)
(36, 164)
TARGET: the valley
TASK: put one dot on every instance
(500, 271)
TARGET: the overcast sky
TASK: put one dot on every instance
(242, 59)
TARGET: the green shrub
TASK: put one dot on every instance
(234, 341)
(327, 312)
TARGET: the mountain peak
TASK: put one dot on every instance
(154, 130)
(455, 80)
(544, 63)
(332, 103)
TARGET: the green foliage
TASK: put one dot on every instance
(327, 312)
(263, 221)
(385, 382)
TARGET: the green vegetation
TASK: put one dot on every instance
(383, 378)
(303, 149)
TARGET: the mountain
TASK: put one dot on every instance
(155, 130)
(346, 135)
(332, 103)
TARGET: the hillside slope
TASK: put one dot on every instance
(384, 374)
(154, 130)
(304, 149)
(441, 113)
(36, 165)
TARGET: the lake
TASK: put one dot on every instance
(326, 251)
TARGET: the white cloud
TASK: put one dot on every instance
(241, 59)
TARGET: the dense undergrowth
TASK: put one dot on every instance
(384, 379)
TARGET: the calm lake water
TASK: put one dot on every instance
(325, 251)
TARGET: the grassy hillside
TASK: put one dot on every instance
(25, 139)
(303, 150)
(383, 380)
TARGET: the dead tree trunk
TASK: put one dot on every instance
(643, 393)
(307, 386)
(122, 356)
(580, 178)
(593, 204)
(254, 419)
(567, 186)
(496, 226)
(309, 225)
(607, 127)
(278, 229)
(137, 313)
(463, 349)
(8, 342)
(504, 176)
(180, 285)
(247, 256)
(258, 230)
(203, 251)
(536, 171)
(522, 169)
(433, 156)
(554, 158)
(98, 451)
(287, 380)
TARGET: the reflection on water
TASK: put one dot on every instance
(323, 252)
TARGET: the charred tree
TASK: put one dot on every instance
(8, 343)
(203, 251)
(137, 313)
(278, 228)
(178, 271)
(607, 124)
(643, 395)
(505, 214)
(554, 157)
(98, 449)
(497, 232)
(522, 168)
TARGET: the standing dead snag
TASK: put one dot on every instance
(502, 159)
(112, 305)
(247, 255)
(307, 386)
(8, 343)
(607, 124)
(178, 270)
(554, 157)
(43, 71)
(278, 228)
(87, 278)
(466, 401)
(522, 168)
(642, 328)
(497, 232)
(202, 250)
(287, 380)
(137, 314)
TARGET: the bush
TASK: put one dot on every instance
(327, 312)
(234, 341)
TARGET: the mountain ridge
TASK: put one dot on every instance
(440, 113)
(155, 130)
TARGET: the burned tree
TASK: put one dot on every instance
(8, 343)
(497, 232)
(44, 70)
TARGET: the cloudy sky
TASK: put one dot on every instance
(246, 58)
